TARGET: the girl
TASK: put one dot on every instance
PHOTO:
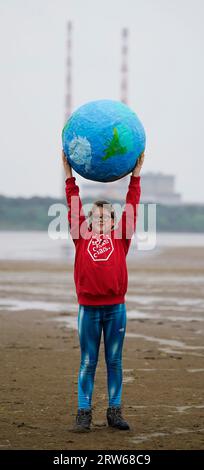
(101, 280)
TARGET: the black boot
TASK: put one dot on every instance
(83, 420)
(115, 419)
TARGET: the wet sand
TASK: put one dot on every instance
(163, 357)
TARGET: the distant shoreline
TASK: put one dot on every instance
(32, 214)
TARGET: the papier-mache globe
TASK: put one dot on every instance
(103, 139)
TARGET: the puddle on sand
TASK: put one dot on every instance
(128, 380)
(153, 369)
(173, 408)
(34, 290)
(143, 437)
(183, 409)
(169, 301)
(167, 278)
(165, 342)
(148, 437)
(182, 348)
(70, 321)
(18, 304)
(180, 352)
(136, 315)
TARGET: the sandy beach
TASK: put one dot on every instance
(163, 356)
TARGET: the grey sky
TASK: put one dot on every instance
(165, 84)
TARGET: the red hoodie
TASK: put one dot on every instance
(100, 270)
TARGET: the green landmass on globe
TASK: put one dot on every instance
(114, 146)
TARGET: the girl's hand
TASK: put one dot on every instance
(66, 165)
(138, 166)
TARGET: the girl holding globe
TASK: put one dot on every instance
(101, 280)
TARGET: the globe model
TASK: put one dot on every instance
(103, 139)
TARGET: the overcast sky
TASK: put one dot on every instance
(165, 84)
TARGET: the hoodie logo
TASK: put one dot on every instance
(100, 247)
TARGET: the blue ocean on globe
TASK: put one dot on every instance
(103, 139)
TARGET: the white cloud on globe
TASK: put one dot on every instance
(80, 151)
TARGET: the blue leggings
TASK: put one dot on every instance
(91, 321)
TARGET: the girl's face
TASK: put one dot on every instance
(102, 222)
